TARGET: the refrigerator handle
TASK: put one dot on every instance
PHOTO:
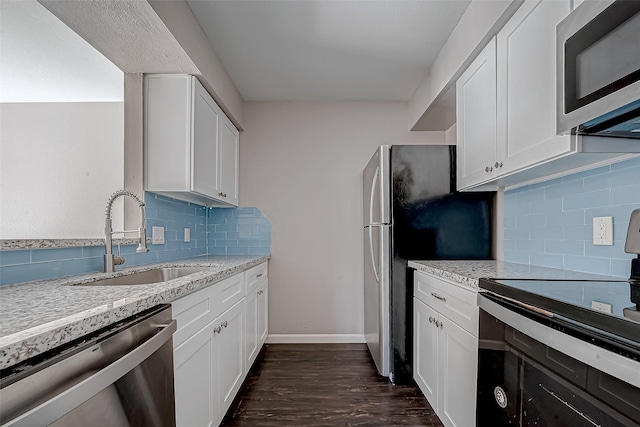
(373, 258)
(373, 191)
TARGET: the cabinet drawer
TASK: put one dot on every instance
(458, 304)
(196, 310)
(255, 276)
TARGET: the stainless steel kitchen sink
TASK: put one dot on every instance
(157, 275)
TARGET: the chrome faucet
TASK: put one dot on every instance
(110, 261)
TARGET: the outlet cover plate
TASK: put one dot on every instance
(157, 235)
(603, 230)
(601, 306)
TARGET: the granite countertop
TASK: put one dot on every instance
(468, 273)
(38, 316)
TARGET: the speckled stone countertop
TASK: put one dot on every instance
(468, 273)
(38, 316)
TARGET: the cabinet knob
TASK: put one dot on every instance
(438, 324)
(431, 319)
(259, 275)
(486, 169)
(498, 165)
(225, 324)
(217, 330)
(260, 292)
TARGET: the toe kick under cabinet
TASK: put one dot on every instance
(445, 347)
(221, 329)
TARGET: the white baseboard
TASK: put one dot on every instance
(314, 339)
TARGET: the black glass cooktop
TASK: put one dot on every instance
(607, 306)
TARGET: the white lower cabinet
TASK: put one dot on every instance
(194, 374)
(256, 322)
(229, 356)
(445, 352)
(211, 346)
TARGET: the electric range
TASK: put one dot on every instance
(558, 352)
(610, 309)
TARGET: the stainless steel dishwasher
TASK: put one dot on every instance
(119, 376)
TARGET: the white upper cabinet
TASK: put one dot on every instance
(204, 146)
(476, 119)
(506, 107)
(228, 165)
(191, 147)
(526, 87)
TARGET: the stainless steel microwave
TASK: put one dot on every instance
(598, 69)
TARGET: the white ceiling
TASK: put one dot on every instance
(324, 50)
(43, 60)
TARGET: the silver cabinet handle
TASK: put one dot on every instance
(443, 299)
(217, 330)
(260, 292)
(439, 324)
(498, 165)
(486, 169)
(431, 319)
(73, 397)
(258, 275)
(225, 324)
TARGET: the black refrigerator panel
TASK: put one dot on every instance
(430, 221)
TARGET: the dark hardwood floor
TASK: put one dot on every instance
(324, 385)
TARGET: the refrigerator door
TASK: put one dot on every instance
(376, 294)
(376, 193)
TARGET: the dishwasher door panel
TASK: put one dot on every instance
(121, 376)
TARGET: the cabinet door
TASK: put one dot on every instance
(204, 143)
(526, 67)
(167, 128)
(425, 351)
(476, 119)
(251, 338)
(263, 313)
(194, 370)
(228, 163)
(229, 352)
(457, 374)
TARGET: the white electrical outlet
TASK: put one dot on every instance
(187, 234)
(603, 230)
(157, 235)
(601, 306)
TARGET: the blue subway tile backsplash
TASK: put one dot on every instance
(550, 223)
(241, 231)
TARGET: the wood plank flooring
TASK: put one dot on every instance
(324, 385)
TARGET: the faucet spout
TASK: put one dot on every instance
(110, 261)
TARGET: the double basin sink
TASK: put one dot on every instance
(156, 275)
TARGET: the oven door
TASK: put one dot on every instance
(524, 380)
(598, 74)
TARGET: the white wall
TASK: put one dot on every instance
(301, 164)
(179, 19)
(481, 20)
(59, 163)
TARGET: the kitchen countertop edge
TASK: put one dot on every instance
(469, 273)
(24, 344)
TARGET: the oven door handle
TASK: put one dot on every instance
(73, 397)
(520, 304)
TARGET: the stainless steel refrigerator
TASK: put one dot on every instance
(412, 212)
